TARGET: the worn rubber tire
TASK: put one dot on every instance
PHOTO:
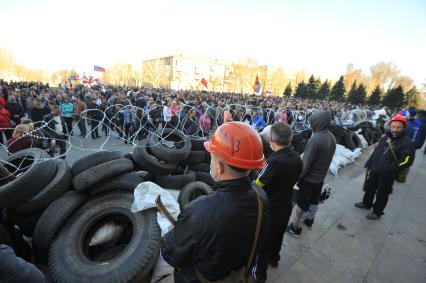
(68, 263)
(197, 143)
(130, 157)
(30, 182)
(126, 182)
(194, 157)
(95, 174)
(145, 176)
(94, 159)
(5, 236)
(175, 182)
(299, 145)
(52, 220)
(203, 167)
(25, 221)
(380, 128)
(192, 191)
(368, 135)
(162, 152)
(352, 141)
(147, 162)
(205, 177)
(57, 187)
(377, 136)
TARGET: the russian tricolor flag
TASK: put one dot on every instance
(98, 69)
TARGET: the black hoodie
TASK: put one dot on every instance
(319, 149)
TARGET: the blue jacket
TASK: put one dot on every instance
(67, 109)
(415, 132)
(257, 122)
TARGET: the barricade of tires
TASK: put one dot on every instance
(349, 138)
(61, 209)
(173, 159)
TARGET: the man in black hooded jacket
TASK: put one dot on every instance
(316, 161)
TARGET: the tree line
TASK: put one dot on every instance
(394, 97)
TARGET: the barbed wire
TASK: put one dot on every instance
(146, 122)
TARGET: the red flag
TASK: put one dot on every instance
(204, 82)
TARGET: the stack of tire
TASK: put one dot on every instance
(300, 139)
(346, 137)
(371, 133)
(176, 161)
(62, 208)
(35, 183)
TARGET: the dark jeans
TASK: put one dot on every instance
(61, 142)
(280, 216)
(94, 128)
(82, 126)
(68, 123)
(14, 269)
(380, 187)
(127, 132)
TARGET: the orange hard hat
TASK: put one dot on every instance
(238, 144)
(399, 118)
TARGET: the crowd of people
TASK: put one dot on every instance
(133, 113)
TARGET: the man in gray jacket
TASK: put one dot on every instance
(316, 161)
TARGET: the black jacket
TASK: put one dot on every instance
(279, 175)
(215, 233)
(382, 161)
(15, 109)
(49, 130)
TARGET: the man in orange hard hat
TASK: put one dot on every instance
(215, 234)
(394, 152)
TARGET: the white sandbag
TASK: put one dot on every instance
(344, 153)
(342, 157)
(364, 143)
(109, 232)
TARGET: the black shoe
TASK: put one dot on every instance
(260, 279)
(373, 216)
(308, 223)
(273, 263)
(98, 137)
(362, 205)
(294, 232)
(94, 137)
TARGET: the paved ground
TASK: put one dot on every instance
(346, 247)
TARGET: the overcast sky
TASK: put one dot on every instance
(320, 37)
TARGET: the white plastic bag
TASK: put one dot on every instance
(107, 233)
(145, 195)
